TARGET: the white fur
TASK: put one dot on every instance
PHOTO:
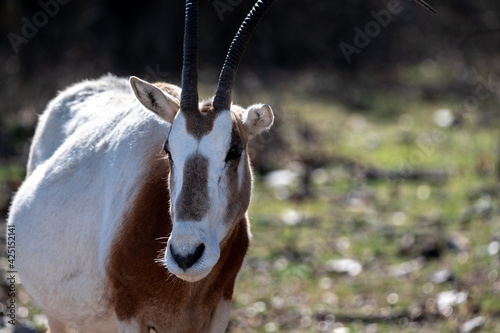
(220, 317)
(163, 105)
(131, 326)
(89, 155)
(211, 230)
(257, 118)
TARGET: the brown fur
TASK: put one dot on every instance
(198, 124)
(201, 123)
(193, 201)
(170, 89)
(143, 288)
(239, 198)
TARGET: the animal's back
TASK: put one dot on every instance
(72, 108)
(93, 146)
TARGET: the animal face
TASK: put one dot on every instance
(210, 176)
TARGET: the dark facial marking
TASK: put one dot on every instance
(236, 147)
(199, 124)
(239, 198)
(136, 249)
(193, 202)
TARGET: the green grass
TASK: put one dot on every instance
(371, 231)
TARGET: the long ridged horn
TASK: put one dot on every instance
(189, 94)
(222, 99)
(425, 5)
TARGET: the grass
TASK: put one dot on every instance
(400, 231)
(350, 217)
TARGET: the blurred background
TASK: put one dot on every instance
(376, 203)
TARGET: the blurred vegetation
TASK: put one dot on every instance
(376, 201)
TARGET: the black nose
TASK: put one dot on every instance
(187, 261)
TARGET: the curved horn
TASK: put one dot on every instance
(222, 99)
(425, 5)
(189, 94)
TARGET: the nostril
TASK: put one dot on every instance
(189, 260)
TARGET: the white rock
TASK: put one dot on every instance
(446, 300)
(441, 276)
(493, 248)
(472, 324)
(292, 217)
(443, 118)
(348, 266)
(282, 177)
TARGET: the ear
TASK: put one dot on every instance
(257, 118)
(154, 99)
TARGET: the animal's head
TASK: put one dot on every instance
(210, 176)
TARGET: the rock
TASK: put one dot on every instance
(23, 329)
(406, 268)
(341, 330)
(17, 329)
(407, 244)
(348, 266)
(472, 325)
(457, 243)
(292, 217)
(446, 300)
(441, 276)
(359, 198)
(483, 205)
(282, 177)
(428, 246)
(493, 248)
(443, 118)
(282, 182)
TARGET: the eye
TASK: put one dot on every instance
(166, 148)
(234, 153)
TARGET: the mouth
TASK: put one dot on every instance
(193, 274)
(191, 254)
(192, 277)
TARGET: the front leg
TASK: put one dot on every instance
(219, 318)
(132, 326)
